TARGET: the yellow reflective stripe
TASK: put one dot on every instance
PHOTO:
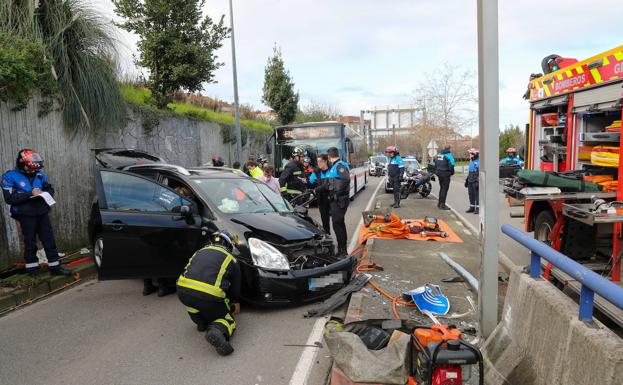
(229, 325)
(200, 286)
(192, 310)
(221, 272)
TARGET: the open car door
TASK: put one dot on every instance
(147, 229)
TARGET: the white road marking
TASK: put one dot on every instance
(308, 356)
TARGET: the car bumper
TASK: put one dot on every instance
(298, 287)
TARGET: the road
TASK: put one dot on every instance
(108, 333)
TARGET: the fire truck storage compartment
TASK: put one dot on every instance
(550, 121)
(596, 109)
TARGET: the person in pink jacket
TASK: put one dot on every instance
(269, 179)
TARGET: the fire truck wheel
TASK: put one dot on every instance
(578, 241)
(543, 225)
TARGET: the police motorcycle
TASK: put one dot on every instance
(416, 181)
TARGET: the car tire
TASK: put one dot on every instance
(98, 250)
(543, 225)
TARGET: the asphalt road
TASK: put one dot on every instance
(108, 333)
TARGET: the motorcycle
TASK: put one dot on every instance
(417, 182)
(379, 169)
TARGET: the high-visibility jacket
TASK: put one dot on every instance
(213, 274)
(256, 172)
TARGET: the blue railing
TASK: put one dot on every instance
(591, 282)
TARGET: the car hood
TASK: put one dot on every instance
(288, 227)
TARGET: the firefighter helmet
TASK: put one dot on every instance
(225, 240)
(299, 151)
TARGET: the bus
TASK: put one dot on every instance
(316, 138)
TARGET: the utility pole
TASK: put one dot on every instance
(489, 113)
(238, 155)
(394, 133)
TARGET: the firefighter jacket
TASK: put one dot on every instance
(289, 178)
(212, 274)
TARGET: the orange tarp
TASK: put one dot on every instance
(399, 229)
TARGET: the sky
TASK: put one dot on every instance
(361, 54)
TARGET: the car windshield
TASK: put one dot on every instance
(378, 159)
(411, 165)
(242, 196)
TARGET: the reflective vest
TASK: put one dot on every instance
(206, 272)
(256, 172)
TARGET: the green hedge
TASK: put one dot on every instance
(23, 68)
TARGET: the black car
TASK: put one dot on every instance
(150, 217)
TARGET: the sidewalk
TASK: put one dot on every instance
(409, 264)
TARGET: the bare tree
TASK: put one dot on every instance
(447, 101)
(317, 112)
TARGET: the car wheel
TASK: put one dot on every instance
(98, 250)
(543, 225)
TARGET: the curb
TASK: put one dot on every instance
(49, 285)
(503, 260)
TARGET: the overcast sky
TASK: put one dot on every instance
(358, 54)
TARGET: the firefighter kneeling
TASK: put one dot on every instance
(209, 287)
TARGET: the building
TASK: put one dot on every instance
(354, 123)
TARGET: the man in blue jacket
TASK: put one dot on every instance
(22, 188)
(395, 169)
(444, 168)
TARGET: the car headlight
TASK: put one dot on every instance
(266, 256)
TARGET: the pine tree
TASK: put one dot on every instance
(278, 91)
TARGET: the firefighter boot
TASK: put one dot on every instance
(217, 338)
(471, 209)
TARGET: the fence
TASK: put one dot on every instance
(69, 162)
(591, 282)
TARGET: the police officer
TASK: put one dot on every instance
(336, 182)
(472, 180)
(22, 188)
(395, 170)
(209, 287)
(444, 168)
(322, 195)
(291, 179)
(511, 158)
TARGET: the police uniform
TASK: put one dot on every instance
(511, 161)
(209, 286)
(32, 214)
(472, 185)
(395, 169)
(324, 205)
(289, 178)
(444, 168)
(336, 183)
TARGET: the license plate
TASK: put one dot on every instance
(318, 283)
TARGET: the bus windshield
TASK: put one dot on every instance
(312, 146)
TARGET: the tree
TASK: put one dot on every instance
(447, 102)
(512, 136)
(317, 112)
(278, 90)
(177, 44)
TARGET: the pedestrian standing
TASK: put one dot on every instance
(27, 189)
(471, 182)
(269, 179)
(395, 171)
(444, 168)
(336, 183)
(254, 170)
(209, 287)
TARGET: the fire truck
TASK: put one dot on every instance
(575, 128)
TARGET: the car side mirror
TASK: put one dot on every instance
(187, 213)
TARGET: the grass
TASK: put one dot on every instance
(142, 97)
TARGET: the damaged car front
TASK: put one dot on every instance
(285, 258)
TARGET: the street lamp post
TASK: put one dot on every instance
(238, 155)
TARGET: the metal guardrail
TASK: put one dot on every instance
(591, 282)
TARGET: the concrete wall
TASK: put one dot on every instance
(541, 341)
(69, 162)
